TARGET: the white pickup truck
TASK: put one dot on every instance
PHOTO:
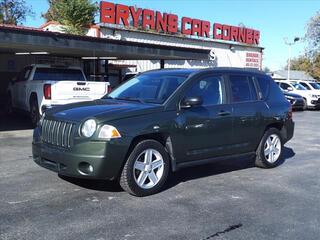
(39, 87)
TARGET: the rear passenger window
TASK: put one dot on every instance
(242, 89)
(264, 85)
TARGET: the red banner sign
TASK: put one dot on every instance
(168, 23)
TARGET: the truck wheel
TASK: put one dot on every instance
(146, 169)
(9, 106)
(269, 151)
(34, 112)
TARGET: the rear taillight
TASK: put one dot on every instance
(109, 88)
(290, 113)
(47, 91)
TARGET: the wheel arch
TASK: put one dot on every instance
(163, 138)
(33, 96)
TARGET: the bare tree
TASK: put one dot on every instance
(14, 11)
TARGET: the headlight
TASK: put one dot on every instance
(313, 96)
(289, 97)
(108, 132)
(88, 128)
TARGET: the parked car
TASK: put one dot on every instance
(309, 85)
(311, 99)
(164, 120)
(39, 87)
(296, 101)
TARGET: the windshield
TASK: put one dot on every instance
(298, 86)
(58, 74)
(153, 87)
(315, 85)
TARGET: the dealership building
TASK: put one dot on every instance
(129, 39)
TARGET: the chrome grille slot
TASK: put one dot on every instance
(57, 133)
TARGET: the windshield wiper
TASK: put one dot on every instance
(130, 99)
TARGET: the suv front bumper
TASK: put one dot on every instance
(90, 159)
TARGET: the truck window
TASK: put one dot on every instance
(58, 74)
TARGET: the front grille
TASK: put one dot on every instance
(57, 133)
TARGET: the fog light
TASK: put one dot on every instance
(85, 168)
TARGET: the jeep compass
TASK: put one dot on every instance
(161, 121)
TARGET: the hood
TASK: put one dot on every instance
(102, 110)
(306, 93)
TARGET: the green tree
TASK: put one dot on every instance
(74, 15)
(310, 65)
(14, 11)
(313, 35)
(266, 70)
(301, 63)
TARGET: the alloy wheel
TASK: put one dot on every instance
(148, 168)
(272, 148)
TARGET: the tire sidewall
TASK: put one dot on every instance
(269, 132)
(139, 148)
(305, 104)
(9, 106)
(34, 103)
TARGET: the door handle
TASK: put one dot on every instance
(223, 113)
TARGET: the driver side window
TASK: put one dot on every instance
(285, 86)
(209, 88)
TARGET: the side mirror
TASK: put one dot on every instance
(191, 102)
(290, 89)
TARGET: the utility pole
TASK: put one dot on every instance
(296, 39)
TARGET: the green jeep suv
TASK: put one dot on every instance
(161, 121)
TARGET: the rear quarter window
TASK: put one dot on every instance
(264, 86)
(275, 93)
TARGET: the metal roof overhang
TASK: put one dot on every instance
(14, 40)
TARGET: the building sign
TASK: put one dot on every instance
(253, 59)
(147, 19)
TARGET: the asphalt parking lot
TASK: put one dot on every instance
(219, 201)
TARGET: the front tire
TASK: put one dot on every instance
(270, 149)
(305, 104)
(146, 169)
(34, 112)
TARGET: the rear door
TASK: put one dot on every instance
(20, 89)
(247, 111)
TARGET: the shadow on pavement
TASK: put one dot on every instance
(98, 185)
(183, 175)
(14, 122)
(217, 168)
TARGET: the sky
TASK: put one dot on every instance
(276, 19)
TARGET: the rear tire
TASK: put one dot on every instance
(34, 112)
(269, 152)
(146, 169)
(9, 107)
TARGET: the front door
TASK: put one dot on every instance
(205, 131)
